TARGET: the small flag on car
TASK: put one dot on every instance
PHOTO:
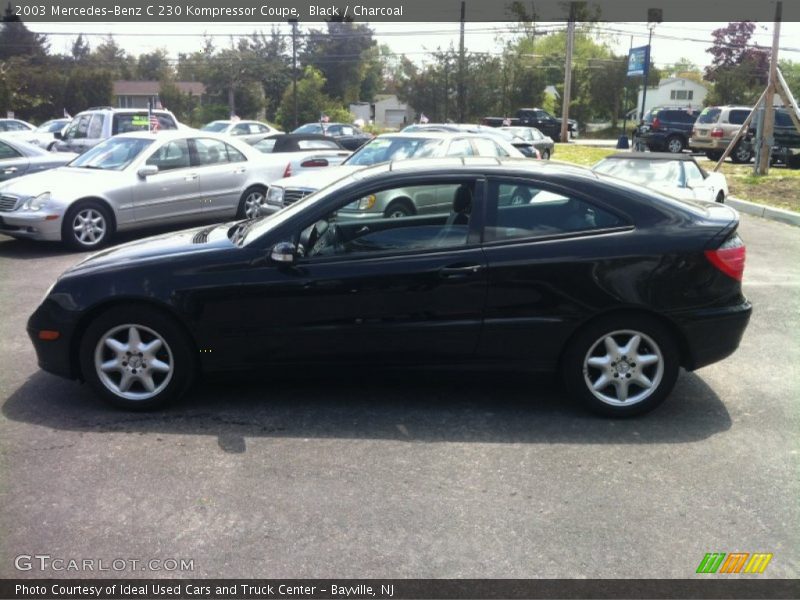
(323, 118)
(506, 122)
(422, 118)
(67, 115)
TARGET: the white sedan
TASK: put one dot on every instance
(673, 174)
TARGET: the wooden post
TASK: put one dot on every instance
(767, 131)
(739, 134)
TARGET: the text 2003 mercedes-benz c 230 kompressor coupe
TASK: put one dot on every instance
(534, 265)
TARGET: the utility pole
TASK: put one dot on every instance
(294, 68)
(461, 105)
(646, 70)
(568, 75)
(446, 86)
(766, 139)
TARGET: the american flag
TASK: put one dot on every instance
(323, 118)
(506, 122)
(67, 115)
(422, 118)
(154, 123)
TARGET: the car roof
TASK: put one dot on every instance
(652, 156)
(173, 134)
(431, 134)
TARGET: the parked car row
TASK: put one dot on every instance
(675, 129)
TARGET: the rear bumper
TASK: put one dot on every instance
(713, 334)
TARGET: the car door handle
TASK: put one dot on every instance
(191, 177)
(239, 170)
(459, 271)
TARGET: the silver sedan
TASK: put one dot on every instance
(136, 180)
(21, 158)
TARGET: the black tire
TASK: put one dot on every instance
(79, 213)
(545, 154)
(656, 340)
(675, 144)
(720, 197)
(713, 155)
(741, 154)
(793, 162)
(51, 147)
(251, 199)
(175, 351)
(399, 208)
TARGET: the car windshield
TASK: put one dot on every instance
(51, 126)
(709, 115)
(645, 172)
(383, 149)
(215, 126)
(114, 154)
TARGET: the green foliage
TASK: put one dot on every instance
(338, 114)
(207, 113)
(311, 100)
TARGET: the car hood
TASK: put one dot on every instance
(60, 180)
(158, 248)
(316, 179)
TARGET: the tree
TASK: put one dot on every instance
(154, 66)
(17, 40)
(110, 56)
(338, 53)
(80, 49)
(738, 69)
(311, 100)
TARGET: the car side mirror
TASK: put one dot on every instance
(58, 135)
(147, 170)
(283, 253)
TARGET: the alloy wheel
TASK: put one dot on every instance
(252, 204)
(89, 227)
(623, 368)
(134, 362)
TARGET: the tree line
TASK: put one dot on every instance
(340, 63)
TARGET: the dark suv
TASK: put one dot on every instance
(665, 129)
(787, 139)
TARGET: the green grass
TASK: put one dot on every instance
(781, 188)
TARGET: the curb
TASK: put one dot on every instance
(766, 212)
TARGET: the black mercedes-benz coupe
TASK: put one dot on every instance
(533, 265)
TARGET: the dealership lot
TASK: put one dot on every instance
(365, 474)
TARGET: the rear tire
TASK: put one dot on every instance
(620, 366)
(545, 154)
(741, 154)
(398, 209)
(715, 156)
(136, 358)
(675, 144)
(250, 203)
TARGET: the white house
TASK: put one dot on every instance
(386, 111)
(675, 91)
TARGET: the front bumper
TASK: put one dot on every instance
(54, 356)
(34, 225)
(713, 334)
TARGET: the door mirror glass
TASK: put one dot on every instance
(58, 135)
(282, 252)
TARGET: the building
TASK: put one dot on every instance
(674, 91)
(386, 111)
(136, 94)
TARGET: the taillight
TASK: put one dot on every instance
(716, 132)
(729, 257)
(656, 124)
(287, 172)
(314, 162)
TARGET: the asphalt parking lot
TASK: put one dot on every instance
(364, 474)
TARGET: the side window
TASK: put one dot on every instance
(486, 147)
(240, 129)
(7, 151)
(694, 177)
(407, 219)
(519, 210)
(333, 130)
(15, 126)
(172, 155)
(234, 155)
(78, 128)
(210, 152)
(95, 130)
(460, 147)
(265, 145)
(783, 119)
(738, 117)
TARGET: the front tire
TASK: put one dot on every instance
(398, 209)
(713, 155)
(87, 225)
(741, 154)
(545, 154)
(621, 366)
(136, 358)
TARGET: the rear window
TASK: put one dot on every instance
(679, 116)
(127, 122)
(711, 115)
(783, 119)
